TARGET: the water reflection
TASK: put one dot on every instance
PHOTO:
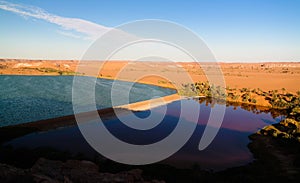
(228, 149)
(248, 107)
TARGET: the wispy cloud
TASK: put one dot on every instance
(89, 29)
(69, 34)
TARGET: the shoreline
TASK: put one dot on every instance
(149, 104)
(69, 120)
(133, 106)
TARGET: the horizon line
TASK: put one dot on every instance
(127, 60)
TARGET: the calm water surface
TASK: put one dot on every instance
(228, 149)
(32, 98)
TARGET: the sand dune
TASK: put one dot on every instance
(267, 76)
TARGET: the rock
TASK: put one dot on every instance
(285, 129)
(291, 125)
(48, 168)
(270, 130)
(296, 111)
(289, 121)
(12, 174)
(72, 171)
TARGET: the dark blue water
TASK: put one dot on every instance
(32, 98)
(228, 149)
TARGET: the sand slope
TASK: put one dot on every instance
(267, 76)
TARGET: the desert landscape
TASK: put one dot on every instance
(239, 77)
(149, 91)
(267, 76)
(261, 88)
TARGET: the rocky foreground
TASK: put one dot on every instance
(286, 129)
(71, 171)
(281, 141)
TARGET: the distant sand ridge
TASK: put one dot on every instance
(267, 76)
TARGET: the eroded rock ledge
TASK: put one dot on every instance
(71, 171)
(286, 129)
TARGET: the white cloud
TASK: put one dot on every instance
(68, 34)
(89, 29)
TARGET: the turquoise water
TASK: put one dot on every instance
(32, 98)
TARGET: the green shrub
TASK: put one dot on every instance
(253, 100)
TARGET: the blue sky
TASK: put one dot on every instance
(235, 30)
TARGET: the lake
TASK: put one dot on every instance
(228, 149)
(32, 98)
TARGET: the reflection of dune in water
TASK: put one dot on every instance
(228, 149)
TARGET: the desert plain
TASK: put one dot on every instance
(266, 76)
